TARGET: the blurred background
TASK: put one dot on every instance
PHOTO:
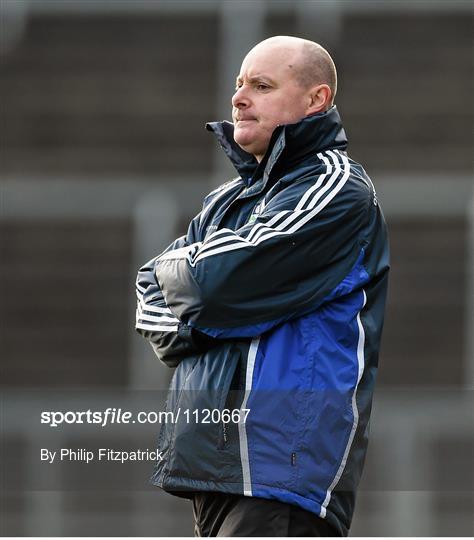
(104, 160)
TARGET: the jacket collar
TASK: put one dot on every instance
(289, 145)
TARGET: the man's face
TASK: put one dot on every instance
(267, 95)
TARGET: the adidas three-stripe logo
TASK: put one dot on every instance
(312, 201)
(153, 318)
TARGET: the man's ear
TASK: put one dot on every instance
(319, 99)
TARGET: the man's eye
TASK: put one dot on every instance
(262, 86)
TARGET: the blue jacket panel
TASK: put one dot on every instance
(273, 304)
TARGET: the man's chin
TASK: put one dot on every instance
(245, 141)
(245, 145)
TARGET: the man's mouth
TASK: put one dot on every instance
(245, 119)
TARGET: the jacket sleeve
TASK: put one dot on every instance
(284, 264)
(170, 339)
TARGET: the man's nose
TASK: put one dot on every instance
(240, 98)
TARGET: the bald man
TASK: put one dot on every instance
(282, 80)
(271, 310)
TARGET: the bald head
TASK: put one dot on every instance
(281, 81)
(312, 64)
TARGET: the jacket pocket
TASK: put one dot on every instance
(231, 398)
(199, 393)
(180, 376)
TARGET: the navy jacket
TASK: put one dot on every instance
(272, 305)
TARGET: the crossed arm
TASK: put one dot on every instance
(239, 284)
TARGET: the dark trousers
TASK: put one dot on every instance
(219, 514)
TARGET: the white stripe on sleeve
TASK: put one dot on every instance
(300, 218)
